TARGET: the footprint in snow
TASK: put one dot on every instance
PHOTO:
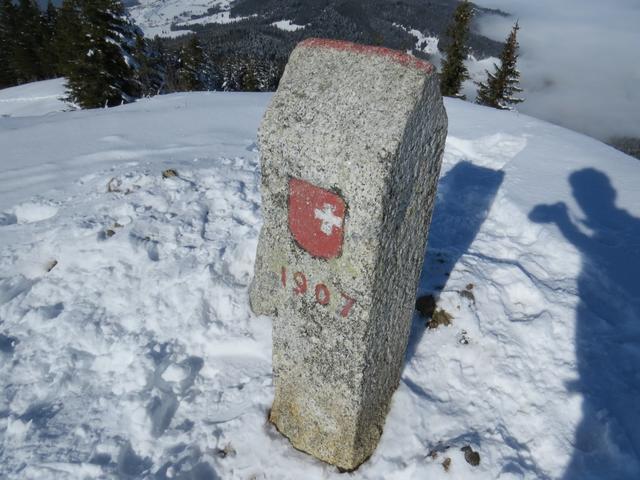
(7, 343)
(10, 288)
(7, 219)
(31, 212)
(173, 380)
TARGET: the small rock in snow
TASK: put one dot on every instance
(468, 295)
(463, 339)
(472, 457)
(114, 185)
(227, 451)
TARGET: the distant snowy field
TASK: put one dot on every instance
(38, 98)
(155, 17)
(128, 350)
(287, 25)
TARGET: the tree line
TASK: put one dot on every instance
(29, 57)
(107, 61)
(501, 87)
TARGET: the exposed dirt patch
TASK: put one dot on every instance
(440, 318)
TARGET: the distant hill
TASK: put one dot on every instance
(366, 21)
(270, 28)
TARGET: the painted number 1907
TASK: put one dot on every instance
(300, 286)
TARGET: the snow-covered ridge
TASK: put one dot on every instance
(127, 347)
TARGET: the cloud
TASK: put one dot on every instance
(580, 61)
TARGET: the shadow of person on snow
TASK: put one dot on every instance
(607, 338)
(465, 195)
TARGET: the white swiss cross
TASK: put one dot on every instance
(328, 218)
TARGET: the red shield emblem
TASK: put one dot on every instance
(316, 219)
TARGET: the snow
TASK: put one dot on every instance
(478, 69)
(128, 349)
(221, 17)
(155, 17)
(424, 43)
(287, 25)
(38, 98)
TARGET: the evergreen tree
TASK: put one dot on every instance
(249, 77)
(51, 14)
(231, 76)
(8, 76)
(454, 71)
(191, 65)
(102, 69)
(68, 36)
(501, 85)
(169, 62)
(151, 71)
(27, 52)
(49, 57)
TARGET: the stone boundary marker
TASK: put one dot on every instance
(351, 147)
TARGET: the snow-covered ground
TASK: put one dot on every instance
(37, 98)
(128, 350)
(424, 43)
(287, 25)
(155, 17)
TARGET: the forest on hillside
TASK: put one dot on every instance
(39, 42)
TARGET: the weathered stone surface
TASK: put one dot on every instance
(351, 152)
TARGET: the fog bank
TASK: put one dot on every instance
(580, 61)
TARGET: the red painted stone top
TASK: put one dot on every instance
(394, 55)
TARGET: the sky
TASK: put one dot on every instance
(580, 61)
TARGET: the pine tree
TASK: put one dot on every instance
(169, 62)
(68, 36)
(231, 73)
(454, 71)
(249, 78)
(101, 70)
(190, 67)
(151, 71)
(8, 75)
(26, 54)
(49, 53)
(501, 85)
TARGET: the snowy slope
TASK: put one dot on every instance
(127, 348)
(37, 98)
(287, 25)
(155, 17)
